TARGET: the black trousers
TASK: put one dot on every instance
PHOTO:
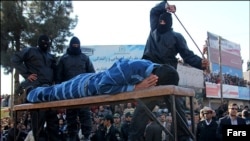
(48, 133)
(39, 117)
(85, 120)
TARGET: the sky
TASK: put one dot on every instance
(127, 23)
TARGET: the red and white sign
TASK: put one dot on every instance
(212, 90)
(228, 91)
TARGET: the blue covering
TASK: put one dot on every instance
(120, 77)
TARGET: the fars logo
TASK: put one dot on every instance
(239, 132)
(231, 132)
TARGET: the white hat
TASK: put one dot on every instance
(206, 109)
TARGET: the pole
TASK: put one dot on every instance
(12, 96)
(220, 64)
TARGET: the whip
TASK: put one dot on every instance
(187, 32)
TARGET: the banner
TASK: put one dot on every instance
(190, 76)
(230, 55)
(229, 91)
(244, 93)
(212, 90)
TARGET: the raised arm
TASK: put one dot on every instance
(157, 10)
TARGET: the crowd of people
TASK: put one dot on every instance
(120, 117)
(226, 79)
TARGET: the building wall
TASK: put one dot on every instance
(246, 75)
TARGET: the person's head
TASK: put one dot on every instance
(233, 109)
(61, 121)
(128, 116)
(108, 120)
(246, 107)
(117, 118)
(43, 42)
(74, 46)
(167, 75)
(207, 113)
(129, 105)
(245, 114)
(165, 23)
(163, 117)
(169, 118)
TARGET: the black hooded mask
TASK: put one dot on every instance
(167, 18)
(43, 42)
(74, 50)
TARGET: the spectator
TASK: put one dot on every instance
(230, 119)
(98, 129)
(129, 108)
(104, 111)
(245, 116)
(111, 133)
(126, 126)
(206, 129)
(117, 121)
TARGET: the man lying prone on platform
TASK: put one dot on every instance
(123, 76)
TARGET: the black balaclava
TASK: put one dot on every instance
(167, 75)
(43, 42)
(74, 50)
(167, 17)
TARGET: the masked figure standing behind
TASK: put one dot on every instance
(72, 63)
(162, 46)
(37, 66)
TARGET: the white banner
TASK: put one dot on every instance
(190, 76)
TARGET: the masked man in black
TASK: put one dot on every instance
(37, 66)
(162, 46)
(72, 63)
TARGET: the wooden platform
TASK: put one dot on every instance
(146, 94)
(104, 99)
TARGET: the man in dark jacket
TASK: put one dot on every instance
(206, 129)
(72, 63)
(99, 134)
(112, 133)
(126, 126)
(37, 66)
(162, 46)
(230, 119)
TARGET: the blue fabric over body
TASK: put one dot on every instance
(120, 77)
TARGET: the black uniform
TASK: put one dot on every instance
(37, 60)
(72, 63)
